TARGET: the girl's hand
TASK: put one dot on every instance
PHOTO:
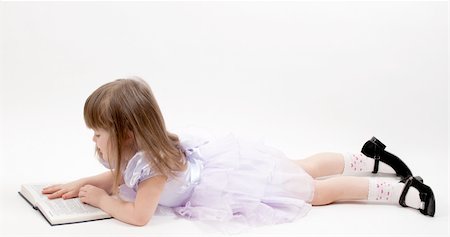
(65, 191)
(92, 195)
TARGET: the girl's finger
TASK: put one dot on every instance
(70, 194)
(57, 194)
(51, 189)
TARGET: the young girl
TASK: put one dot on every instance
(225, 179)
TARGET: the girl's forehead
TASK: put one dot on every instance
(100, 130)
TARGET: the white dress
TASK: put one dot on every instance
(229, 180)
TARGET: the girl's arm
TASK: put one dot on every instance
(71, 189)
(104, 181)
(138, 212)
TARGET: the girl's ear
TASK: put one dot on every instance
(129, 140)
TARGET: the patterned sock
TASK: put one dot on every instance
(359, 163)
(389, 192)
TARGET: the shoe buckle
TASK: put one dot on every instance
(422, 206)
(377, 159)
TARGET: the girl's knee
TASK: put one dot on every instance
(322, 194)
(308, 166)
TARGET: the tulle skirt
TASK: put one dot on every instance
(248, 183)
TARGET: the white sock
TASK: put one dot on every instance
(359, 163)
(389, 192)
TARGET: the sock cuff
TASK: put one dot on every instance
(355, 163)
(347, 162)
(381, 190)
(372, 192)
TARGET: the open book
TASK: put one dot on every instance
(60, 211)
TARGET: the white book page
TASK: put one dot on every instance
(33, 192)
(61, 207)
(60, 211)
(36, 190)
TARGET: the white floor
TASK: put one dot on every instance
(17, 218)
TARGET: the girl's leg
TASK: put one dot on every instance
(345, 188)
(323, 164)
(340, 188)
(329, 163)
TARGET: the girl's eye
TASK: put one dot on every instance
(96, 135)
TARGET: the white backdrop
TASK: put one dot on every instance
(306, 77)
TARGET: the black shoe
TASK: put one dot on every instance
(375, 149)
(426, 195)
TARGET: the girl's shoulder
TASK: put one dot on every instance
(137, 170)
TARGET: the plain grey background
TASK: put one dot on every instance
(305, 76)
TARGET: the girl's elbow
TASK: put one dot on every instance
(141, 220)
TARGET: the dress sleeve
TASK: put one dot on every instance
(138, 169)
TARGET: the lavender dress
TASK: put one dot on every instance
(229, 180)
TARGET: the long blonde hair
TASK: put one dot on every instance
(126, 105)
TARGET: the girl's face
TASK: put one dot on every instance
(100, 138)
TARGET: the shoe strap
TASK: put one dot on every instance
(376, 164)
(408, 182)
(377, 157)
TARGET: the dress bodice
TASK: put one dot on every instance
(178, 188)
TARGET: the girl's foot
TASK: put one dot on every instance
(426, 195)
(410, 192)
(376, 150)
